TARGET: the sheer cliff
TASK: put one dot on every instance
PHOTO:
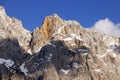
(58, 50)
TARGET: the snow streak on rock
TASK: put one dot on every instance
(7, 62)
(23, 69)
(64, 71)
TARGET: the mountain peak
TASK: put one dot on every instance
(3, 15)
(2, 11)
(13, 28)
(54, 26)
(55, 15)
(62, 48)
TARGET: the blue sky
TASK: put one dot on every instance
(86, 12)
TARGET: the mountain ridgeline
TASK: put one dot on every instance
(58, 50)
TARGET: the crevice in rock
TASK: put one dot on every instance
(87, 65)
(31, 42)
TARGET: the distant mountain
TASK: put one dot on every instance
(58, 50)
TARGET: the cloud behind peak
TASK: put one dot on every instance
(107, 27)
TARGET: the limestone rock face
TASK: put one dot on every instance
(43, 34)
(13, 28)
(61, 50)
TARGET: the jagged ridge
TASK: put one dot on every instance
(58, 50)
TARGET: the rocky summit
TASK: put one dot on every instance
(58, 50)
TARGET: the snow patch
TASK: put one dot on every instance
(7, 62)
(23, 69)
(75, 65)
(73, 44)
(65, 71)
(85, 51)
(76, 36)
(30, 52)
(68, 39)
(59, 30)
(50, 56)
(94, 43)
(52, 44)
(72, 37)
(114, 55)
(73, 50)
(45, 70)
(98, 70)
(85, 54)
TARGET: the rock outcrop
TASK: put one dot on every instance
(13, 28)
(59, 50)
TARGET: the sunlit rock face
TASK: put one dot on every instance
(13, 28)
(58, 50)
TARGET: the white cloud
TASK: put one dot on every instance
(107, 27)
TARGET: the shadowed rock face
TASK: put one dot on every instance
(58, 50)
